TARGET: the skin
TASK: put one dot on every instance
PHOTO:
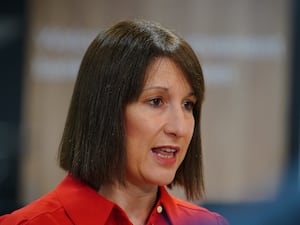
(159, 128)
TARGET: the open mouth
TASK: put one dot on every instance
(165, 152)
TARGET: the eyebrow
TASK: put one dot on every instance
(192, 93)
(156, 87)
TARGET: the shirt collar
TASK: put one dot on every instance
(82, 203)
(87, 207)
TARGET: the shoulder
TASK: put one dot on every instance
(46, 210)
(196, 214)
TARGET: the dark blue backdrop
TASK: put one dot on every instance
(12, 27)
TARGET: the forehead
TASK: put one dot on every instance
(164, 71)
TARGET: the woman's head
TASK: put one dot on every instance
(112, 75)
(159, 125)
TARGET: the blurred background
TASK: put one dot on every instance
(250, 126)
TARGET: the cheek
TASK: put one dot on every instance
(190, 133)
(192, 128)
(136, 126)
(138, 122)
(139, 133)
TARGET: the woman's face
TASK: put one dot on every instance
(159, 125)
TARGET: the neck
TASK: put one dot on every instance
(136, 201)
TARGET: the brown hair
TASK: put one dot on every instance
(111, 75)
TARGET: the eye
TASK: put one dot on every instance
(189, 105)
(156, 102)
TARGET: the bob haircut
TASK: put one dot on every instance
(112, 75)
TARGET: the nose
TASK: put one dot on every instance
(179, 123)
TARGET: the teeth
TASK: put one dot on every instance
(165, 156)
(168, 150)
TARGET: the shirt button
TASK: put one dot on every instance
(159, 209)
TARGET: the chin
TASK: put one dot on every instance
(164, 181)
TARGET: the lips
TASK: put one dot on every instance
(165, 154)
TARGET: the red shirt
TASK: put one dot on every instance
(74, 202)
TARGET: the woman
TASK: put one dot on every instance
(133, 127)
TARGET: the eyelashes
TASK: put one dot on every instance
(189, 105)
(158, 102)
